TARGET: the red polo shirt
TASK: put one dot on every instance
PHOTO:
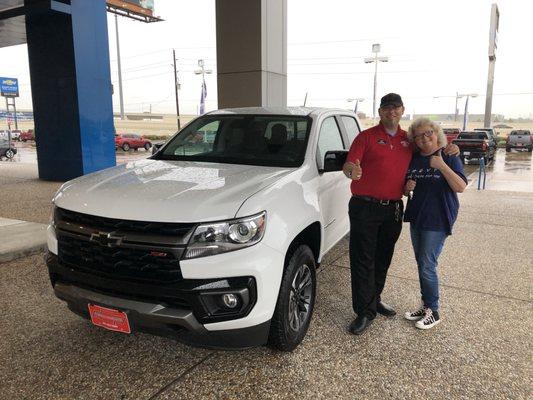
(384, 161)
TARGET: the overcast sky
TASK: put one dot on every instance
(435, 48)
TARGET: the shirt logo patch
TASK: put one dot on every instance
(405, 143)
(381, 141)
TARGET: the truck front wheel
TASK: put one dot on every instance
(296, 301)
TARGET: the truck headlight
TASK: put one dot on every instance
(221, 237)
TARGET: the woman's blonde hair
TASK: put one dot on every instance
(419, 122)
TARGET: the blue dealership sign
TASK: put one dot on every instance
(9, 87)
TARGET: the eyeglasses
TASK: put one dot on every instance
(426, 134)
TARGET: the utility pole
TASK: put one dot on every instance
(119, 72)
(493, 40)
(176, 88)
(376, 47)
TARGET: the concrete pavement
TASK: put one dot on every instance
(482, 349)
(20, 238)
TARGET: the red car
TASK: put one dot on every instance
(27, 135)
(128, 141)
(451, 133)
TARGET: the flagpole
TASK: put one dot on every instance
(203, 95)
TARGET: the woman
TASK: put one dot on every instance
(433, 180)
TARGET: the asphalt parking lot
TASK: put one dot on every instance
(481, 350)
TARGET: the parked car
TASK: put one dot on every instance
(4, 134)
(128, 141)
(216, 245)
(476, 145)
(451, 133)
(6, 150)
(27, 135)
(519, 139)
(15, 134)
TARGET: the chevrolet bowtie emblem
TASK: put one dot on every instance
(106, 239)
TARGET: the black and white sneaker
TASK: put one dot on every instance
(415, 315)
(430, 319)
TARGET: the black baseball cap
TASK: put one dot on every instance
(391, 99)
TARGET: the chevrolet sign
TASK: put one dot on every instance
(9, 87)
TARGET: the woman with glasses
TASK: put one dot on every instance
(432, 183)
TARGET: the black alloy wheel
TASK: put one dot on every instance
(296, 301)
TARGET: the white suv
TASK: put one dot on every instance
(215, 239)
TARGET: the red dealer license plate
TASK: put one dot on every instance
(107, 318)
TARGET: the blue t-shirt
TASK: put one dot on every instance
(434, 205)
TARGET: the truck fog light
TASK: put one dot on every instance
(230, 300)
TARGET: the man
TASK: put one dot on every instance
(377, 163)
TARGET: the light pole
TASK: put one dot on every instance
(357, 100)
(202, 71)
(375, 49)
(465, 117)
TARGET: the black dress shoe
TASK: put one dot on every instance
(359, 325)
(385, 309)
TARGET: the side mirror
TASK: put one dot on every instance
(334, 160)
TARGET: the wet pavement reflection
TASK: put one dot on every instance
(27, 154)
(510, 171)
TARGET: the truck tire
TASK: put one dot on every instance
(507, 149)
(10, 154)
(125, 146)
(147, 146)
(296, 301)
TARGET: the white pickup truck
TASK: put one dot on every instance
(215, 239)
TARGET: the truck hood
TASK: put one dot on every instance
(167, 191)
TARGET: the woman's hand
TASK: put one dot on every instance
(452, 150)
(437, 162)
(409, 187)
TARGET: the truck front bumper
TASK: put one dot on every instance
(152, 314)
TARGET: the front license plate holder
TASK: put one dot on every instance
(109, 318)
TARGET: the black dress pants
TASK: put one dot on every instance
(374, 230)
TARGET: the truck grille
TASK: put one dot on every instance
(134, 251)
(110, 224)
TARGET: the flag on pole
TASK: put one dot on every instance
(202, 97)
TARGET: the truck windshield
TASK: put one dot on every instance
(472, 135)
(267, 140)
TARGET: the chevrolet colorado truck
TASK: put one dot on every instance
(213, 241)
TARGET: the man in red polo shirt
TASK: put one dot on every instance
(377, 164)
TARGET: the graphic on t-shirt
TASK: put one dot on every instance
(423, 173)
(381, 141)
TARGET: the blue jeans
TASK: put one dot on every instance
(427, 246)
